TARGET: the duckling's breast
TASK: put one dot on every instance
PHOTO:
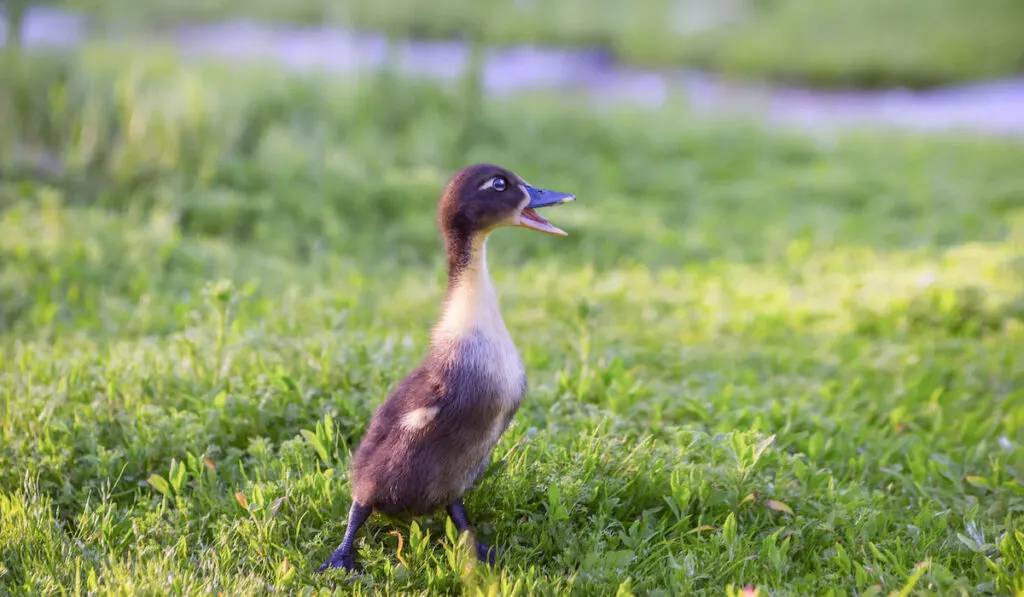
(486, 382)
(483, 373)
(491, 359)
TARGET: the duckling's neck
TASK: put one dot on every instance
(471, 340)
(472, 303)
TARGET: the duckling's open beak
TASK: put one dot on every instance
(542, 198)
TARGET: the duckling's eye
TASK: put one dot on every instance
(498, 184)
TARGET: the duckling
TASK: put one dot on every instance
(430, 441)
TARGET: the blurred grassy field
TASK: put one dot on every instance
(756, 359)
(864, 43)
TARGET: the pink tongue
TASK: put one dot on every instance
(531, 219)
(532, 214)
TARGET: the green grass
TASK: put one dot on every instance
(757, 359)
(864, 43)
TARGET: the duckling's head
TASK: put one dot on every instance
(482, 197)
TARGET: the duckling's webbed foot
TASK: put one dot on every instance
(344, 556)
(457, 512)
(486, 554)
(345, 561)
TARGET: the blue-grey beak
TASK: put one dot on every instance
(546, 198)
(542, 198)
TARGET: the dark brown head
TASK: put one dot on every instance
(482, 197)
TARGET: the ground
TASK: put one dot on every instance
(865, 43)
(758, 358)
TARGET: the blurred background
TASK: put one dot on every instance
(781, 55)
(801, 219)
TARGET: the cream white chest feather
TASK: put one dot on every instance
(472, 321)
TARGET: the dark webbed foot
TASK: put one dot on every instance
(487, 554)
(484, 553)
(338, 560)
(344, 556)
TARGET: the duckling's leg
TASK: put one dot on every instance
(457, 512)
(343, 557)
